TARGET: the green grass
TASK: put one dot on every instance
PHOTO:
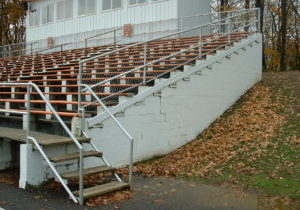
(277, 172)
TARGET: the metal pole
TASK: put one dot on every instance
(131, 163)
(220, 23)
(79, 89)
(181, 27)
(145, 63)
(115, 39)
(28, 112)
(81, 177)
(258, 26)
(31, 49)
(200, 43)
(85, 47)
(229, 29)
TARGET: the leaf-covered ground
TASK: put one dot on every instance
(255, 144)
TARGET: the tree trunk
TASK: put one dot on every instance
(223, 9)
(261, 5)
(283, 31)
(247, 22)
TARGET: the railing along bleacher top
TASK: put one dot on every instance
(219, 23)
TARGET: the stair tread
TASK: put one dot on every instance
(72, 156)
(88, 171)
(103, 189)
(44, 139)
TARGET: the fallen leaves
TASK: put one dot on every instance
(111, 198)
(10, 177)
(246, 132)
(158, 201)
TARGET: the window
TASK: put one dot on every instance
(48, 14)
(34, 18)
(133, 2)
(111, 4)
(86, 7)
(64, 9)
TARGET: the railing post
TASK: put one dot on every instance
(81, 176)
(31, 49)
(115, 39)
(79, 89)
(131, 163)
(145, 63)
(229, 29)
(28, 112)
(85, 51)
(181, 27)
(220, 23)
(200, 42)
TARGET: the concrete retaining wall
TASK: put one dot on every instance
(161, 124)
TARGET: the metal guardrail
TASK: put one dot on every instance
(54, 47)
(8, 50)
(230, 24)
(17, 49)
(30, 138)
(114, 31)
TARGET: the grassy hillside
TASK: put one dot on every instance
(255, 144)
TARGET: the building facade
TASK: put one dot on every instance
(66, 21)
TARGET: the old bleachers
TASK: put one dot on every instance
(56, 73)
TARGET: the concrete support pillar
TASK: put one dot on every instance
(31, 167)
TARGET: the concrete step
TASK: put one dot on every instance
(102, 189)
(72, 156)
(60, 141)
(43, 139)
(88, 171)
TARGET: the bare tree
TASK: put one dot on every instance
(283, 37)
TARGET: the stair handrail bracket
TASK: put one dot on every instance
(30, 138)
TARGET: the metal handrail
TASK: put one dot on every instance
(158, 60)
(151, 40)
(161, 59)
(123, 129)
(54, 47)
(162, 37)
(24, 44)
(101, 34)
(29, 86)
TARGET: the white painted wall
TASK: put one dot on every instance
(161, 16)
(162, 124)
(102, 19)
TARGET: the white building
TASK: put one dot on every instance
(66, 21)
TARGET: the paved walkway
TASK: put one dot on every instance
(156, 194)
